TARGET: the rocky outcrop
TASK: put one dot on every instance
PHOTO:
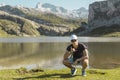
(53, 30)
(104, 13)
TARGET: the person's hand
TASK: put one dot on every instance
(72, 49)
(75, 63)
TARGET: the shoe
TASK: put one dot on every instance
(73, 71)
(83, 73)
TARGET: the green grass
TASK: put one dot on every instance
(114, 34)
(113, 31)
(62, 74)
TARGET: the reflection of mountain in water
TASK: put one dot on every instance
(18, 54)
(50, 54)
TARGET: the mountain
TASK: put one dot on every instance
(33, 23)
(60, 11)
(50, 20)
(81, 13)
(46, 7)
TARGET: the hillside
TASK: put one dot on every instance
(113, 31)
(39, 21)
(11, 25)
(44, 23)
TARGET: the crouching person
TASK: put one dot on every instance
(80, 55)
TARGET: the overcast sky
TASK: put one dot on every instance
(67, 4)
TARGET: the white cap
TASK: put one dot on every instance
(73, 37)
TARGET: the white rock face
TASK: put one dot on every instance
(104, 13)
(60, 11)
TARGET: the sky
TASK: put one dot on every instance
(67, 4)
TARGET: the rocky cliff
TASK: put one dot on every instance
(104, 14)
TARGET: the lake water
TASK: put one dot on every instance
(47, 52)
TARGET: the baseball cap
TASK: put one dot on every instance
(74, 37)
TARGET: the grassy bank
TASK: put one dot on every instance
(62, 74)
(113, 31)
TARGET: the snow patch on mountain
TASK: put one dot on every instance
(60, 11)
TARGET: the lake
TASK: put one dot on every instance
(47, 52)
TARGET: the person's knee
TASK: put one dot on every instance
(85, 62)
(64, 62)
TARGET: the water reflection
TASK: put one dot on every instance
(50, 54)
(20, 54)
(105, 54)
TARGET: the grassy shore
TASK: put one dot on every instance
(113, 31)
(62, 74)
